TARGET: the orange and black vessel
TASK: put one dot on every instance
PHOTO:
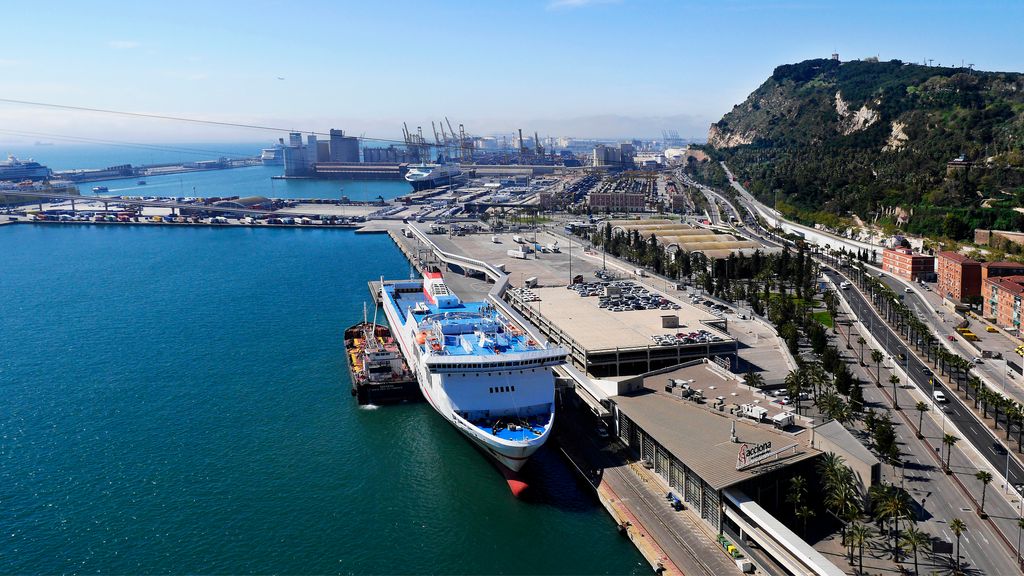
(377, 368)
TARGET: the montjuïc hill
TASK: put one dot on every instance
(930, 149)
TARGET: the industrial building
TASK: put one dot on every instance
(906, 264)
(343, 148)
(616, 156)
(301, 159)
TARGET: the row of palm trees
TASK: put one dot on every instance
(958, 368)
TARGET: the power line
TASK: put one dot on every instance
(191, 120)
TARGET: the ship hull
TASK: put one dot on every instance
(508, 455)
(380, 392)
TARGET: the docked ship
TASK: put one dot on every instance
(424, 176)
(273, 156)
(375, 364)
(14, 169)
(477, 369)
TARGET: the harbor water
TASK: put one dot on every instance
(175, 400)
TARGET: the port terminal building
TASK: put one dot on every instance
(734, 472)
(605, 343)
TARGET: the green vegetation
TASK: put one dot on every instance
(825, 318)
(900, 124)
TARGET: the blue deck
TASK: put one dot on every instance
(532, 427)
(463, 325)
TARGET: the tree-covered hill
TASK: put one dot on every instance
(876, 139)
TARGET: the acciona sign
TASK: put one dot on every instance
(751, 454)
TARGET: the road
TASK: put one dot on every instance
(939, 499)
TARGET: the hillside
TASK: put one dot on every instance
(874, 138)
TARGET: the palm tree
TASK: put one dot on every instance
(985, 477)
(915, 539)
(862, 342)
(794, 385)
(859, 534)
(877, 357)
(921, 408)
(803, 513)
(894, 505)
(949, 440)
(958, 527)
(895, 380)
(753, 379)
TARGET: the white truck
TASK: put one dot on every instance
(781, 421)
(520, 254)
(518, 239)
(753, 411)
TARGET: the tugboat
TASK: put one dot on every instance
(375, 364)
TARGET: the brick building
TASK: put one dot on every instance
(1002, 300)
(904, 263)
(959, 277)
(1002, 268)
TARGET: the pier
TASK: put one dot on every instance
(671, 541)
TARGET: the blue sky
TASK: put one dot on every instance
(601, 68)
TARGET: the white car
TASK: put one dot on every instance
(939, 397)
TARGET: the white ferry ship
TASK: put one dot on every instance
(477, 369)
(424, 176)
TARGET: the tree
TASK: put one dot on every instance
(949, 440)
(877, 357)
(797, 492)
(895, 380)
(958, 527)
(915, 539)
(984, 477)
(803, 513)
(859, 535)
(921, 408)
(794, 386)
(753, 379)
(862, 342)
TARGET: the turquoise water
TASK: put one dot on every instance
(176, 401)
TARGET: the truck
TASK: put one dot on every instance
(406, 232)
(520, 254)
(640, 273)
(553, 247)
(753, 411)
(531, 282)
(518, 239)
(781, 421)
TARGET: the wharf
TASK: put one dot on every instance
(672, 542)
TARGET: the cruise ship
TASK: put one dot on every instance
(477, 369)
(14, 169)
(273, 156)
(424, 176)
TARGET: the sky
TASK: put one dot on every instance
(579, 68)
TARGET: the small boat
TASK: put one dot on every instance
(142, 182)
(100, 189)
